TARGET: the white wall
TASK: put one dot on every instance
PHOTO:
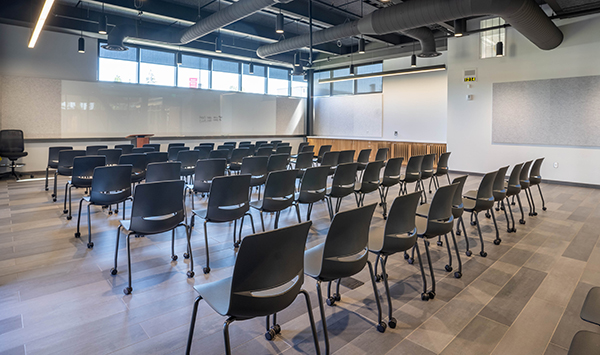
(470, 122)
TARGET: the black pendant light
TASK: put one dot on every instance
(413, 58)
(279, 23)
(499, 49)
(251, 68)
(361, 46)
(351, 69)
(81, 45)
(179, 58)
(460, 26)
(218, 44)
(297, 59)
(102, 23)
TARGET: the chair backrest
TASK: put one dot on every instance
(535, 169)
(457, 201)
(277, 162)
(265, 262)
(65, 160)
(203, 151)
(525, 172)
(323, 149)
(330, 159)
(372, 172)
(259, 143)
(211, 145)
(238, 154)
(229, 198)
(157, 207)
(11, 141)
(257, 168)
(137, 160)
(244, 143)
(142, 150)
(514, 178)
(156, 157)
(279, 190)
(304, 160)
(93, 149)
(112, 155)
(286, 149)
(229, 147)
(346, 156)
(234, 144)
(83, 169)
(188, 159)
(126, 148)
(344, 179)
(173, 151)
(308, 148)
(164, 171)
(111, 184)
(314, 184)
(440, 219)
(206, 171)
(276, 142)
(499, 180)
(219, 154)
(53, 155)
(392, 168)
(154, 146)
(345, 251)
(442, 167)
(413, 168)
(400, 228)
(264, 151)
(382, 154)
(427, 165)
(301, 145)
(363, 156)
(485, 193)
(171, 145)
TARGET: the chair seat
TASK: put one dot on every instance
(390, 181)
(469, 205)
(423, 210)
(13, 156)
(313, 258)
(256, 204)
(216, 294)
(584, 342)
(125, 223)
(421, 223)
(365, 188)
(535, 180)
(409, 178)
(590, 312)
(402, 242)
(200, 213)
(471, 195)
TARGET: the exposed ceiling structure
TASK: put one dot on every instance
(244, 26)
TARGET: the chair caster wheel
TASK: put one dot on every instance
(116, 211)
(46, 188)
(513, 203)
(425, 296)
(497, 241)
(378, 278)
(483, 253)
(276, 328)
(174, 257)
(535, 213)
(531, 214)
(392, 322)
(458, 232)
(473, 223)
(206, 270)
(406, 256)
(337, 297)
(65, 211)
(487, 215)
(448, 268)
(270, 334)
(381, 327)
(110, 213)
(236, 245)
(331, 301)
(113, 271)
(431, 295)
(440, 243)
(544, 208)
(522, 221)
(469, 253)
(497, 209)
(384, 218)
(458, 274)
(54, 200)
(90, 245)
(190, 274)
(186, 255)
(127, 290)
(69, 218)
(77, 235)
(411, 260)
(380, 204)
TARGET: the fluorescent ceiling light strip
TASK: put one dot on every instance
(386, 73)
(40, 23)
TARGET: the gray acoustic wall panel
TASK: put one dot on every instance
(349, 116)
(547, 112)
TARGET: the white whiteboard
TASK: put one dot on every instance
(97, 109)
(349, 116)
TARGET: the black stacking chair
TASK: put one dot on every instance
(343, 254)
(53, 160)
(229, 148)
(277, 162)
(83, 170)
(584, 342)
(251, 148)
(363, 159)
(535, 178)
(308, 148)
(111, 185)
(256, 167)
(322, 150)
(590, 311)
(399, 235)
(234, 144)
(301, 145)
(203, 152)
(138, 161)
(286, 149)
(369, 182)
(163, 171)
(275, 142)
(391, 177)
(236, 158)
(441, 170)
(188, 159)
(65, 167)
(219, 154)
(313, 187)
(264, 151)
(412, 173)
(481, 200)
(382, 154)
(303, 162)
(244, 143)
(12, 146)
(525, 183)
(171, 145)
(346, 156)
(93, 149)
(426, 172)
(206, 170)
(125, 148)
(211, 145)
(157, 208)
(157, 157)
(458, 208)
(330, 159)
(154, 146)
(255, 287)
(343, 185)
(513, 188)
(227, 202)
(279, 195)
(112, 155)
(259, 143)
(173, 151)
(499, 193)
(142, 150)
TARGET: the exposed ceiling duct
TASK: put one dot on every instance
(523, 15)
(427, 40)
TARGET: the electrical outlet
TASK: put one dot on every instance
(396, 134)
(555, 165)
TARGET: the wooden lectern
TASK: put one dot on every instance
(139, 140)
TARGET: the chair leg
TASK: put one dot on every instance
(173, 256)
(430, 181)
(497, 241)
(391, 320)
(46, 185)
(457, 274)
(462, 223)
(357, 200)
(55, 183)
(312, 321)
(432, 292)
(251, 223)
(338, 205)
(503, 208)
(512, 217)
(226, 335)
(113, 271)
(528, 201)
(192, 325)
(448, 177)
(69, 216)
(298, 213)
(329, 207)
(262, 221)
(128, 289)
(309, 210)
(188, 233)
(206, 269)
(423, 191)
(65, 200)
(532, 212)
(380, 323)
(522, 220)
(482, 252)
(323, 320)
(77, 234)
(90, 244)
(124, 209)
(277, 219)
(424, 295)
(449, 265)
(541, 195)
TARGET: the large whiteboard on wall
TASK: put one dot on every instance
(349, 116)
(96, 109)
(548, 112)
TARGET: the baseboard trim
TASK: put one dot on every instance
(545, 181)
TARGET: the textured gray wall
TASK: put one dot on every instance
(549, 112)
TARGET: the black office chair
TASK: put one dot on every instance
(277, 162)
(125, 148)
(255, 287)
(227, 202)
(83, 170)
(346, 156)
(524, 181)
(275, 142)
(441, 170)
(234, 144)
(203, 152)
(111, 185)
(481, 200)
(330, 159)
(584, 342)
(206, 170)
(285, 149)
(244, 143)
(301, 145)
(369, 182)
(93, 149)
(53, 160)
(513, 188)
(363, 159)
(171, 145)
(188, 159)
(264, 151)
(535, 178)
(313, 187)
(391, 177)
(112, 155)
(278, 196)
(157, 157)
(65, 167)
(427, 172)
(343, 254)
(173, 151)
(229, 148)
(303, 162)
(157, 208)
(163, 171)
(236, 158)
(259, 143)
(142, 150)
(155, 146)
(139, 163)
(322, 150)
(382, 154)
(219, 154)
(256, 167)
(499, 192)
(12, 146)
(343, 184)
(411, 174)
(211, 145)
